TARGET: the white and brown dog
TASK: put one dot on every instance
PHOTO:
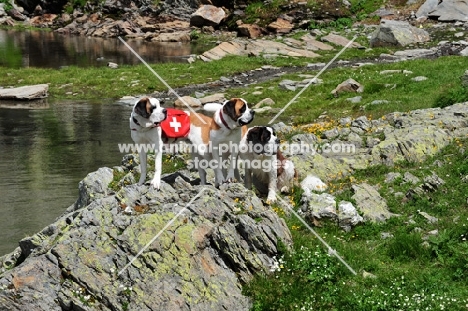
(265, 167)
(206, 135)
(212, 139)
(145, 121)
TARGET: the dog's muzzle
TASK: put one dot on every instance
(158, 124)
(242, 122)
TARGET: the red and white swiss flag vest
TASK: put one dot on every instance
(176, 125)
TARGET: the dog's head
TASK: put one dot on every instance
(263, 140)
(238, 111)
(148, 112)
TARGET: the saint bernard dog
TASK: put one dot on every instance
(211, 138)
(219, 138)
(265, 167)
(145, 124)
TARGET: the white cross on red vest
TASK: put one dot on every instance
(175, 124)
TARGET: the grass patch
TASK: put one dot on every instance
(452, 95)
(405, 247)
(416, 269)
(115, 183)
(398, 91)
(170, 164)
(263, 13)
(103, 82)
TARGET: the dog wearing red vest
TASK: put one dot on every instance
(155, 125)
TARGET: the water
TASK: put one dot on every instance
(47, 49)
(45, 153)
(46, 150)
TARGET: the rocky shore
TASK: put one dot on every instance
(121, 246)
(90, 257)
(106, 252)
(177, 20)
(410, 26)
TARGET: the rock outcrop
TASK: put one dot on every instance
(27, 92)
(186, 247)
(134, 248)
(444, 11)
(397, 33)
(270, 48)
(360, 143)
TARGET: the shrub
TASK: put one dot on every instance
(264, 13)
(406, 247)
(452, 96)
(7, 5)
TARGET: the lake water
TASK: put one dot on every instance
(45, 152)
(52, 50)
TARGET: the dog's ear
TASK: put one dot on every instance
(254, 134)
(259, 134)
(141, 107)
(266, 135)
(229, 108)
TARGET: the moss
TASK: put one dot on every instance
(115, 183)
(177, 246)
(323, 167)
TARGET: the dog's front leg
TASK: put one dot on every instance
(248, 177)
(200, 168)
(202, 174)
(236, 171)
(197, 163)
(233, 173)
(272, 180)
(156, 182)
(142, 167)
(217, 161)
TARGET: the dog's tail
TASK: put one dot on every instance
(212, 107)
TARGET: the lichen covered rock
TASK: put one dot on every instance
(182, 248)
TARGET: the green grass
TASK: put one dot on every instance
(170, 164)
(7, 5)
(443, 86)
(263, 13)
(414, 270)
(104, 82)
(402, 94)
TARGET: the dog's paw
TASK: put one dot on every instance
(156, 184)
(230, 180)
(142, 180)
(271, 198)
(219, 182)
(285, 189)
